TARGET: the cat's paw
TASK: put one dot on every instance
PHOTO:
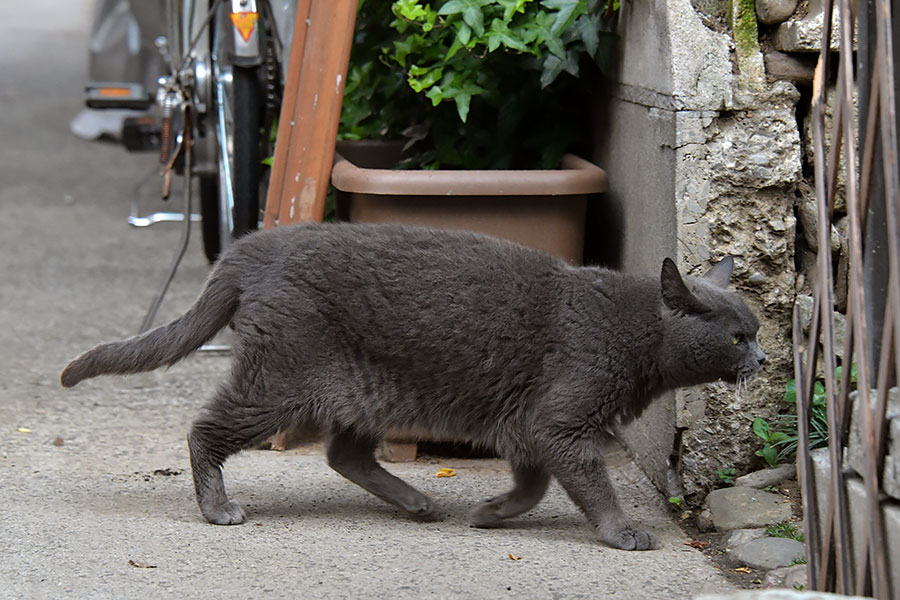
(488, 513)
(629, 538)
(420, 507)
(229, 513)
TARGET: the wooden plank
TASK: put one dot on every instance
(285, 118)
(312, 123)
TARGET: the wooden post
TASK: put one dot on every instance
(310, 111)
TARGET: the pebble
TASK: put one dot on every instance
(772, 12)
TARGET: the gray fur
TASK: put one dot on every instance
(355, 331)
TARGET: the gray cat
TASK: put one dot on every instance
(360, 330)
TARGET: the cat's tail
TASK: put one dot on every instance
(166, 344)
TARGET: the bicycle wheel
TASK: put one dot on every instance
(230, 203)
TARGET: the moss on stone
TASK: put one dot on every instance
(743, 26)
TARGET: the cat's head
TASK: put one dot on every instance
(710, 331)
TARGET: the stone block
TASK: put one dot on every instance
(668, 51)
(855, 452)
(739, 537)
(746, 508)
(798, 69)
(794, 577)
(803, 33)
(766, 477)
(857, 510)
(769, 552)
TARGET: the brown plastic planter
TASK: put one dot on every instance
(544, 209)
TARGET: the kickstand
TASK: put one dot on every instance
(185, 146)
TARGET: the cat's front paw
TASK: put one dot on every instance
(629, 538)
(229, 513)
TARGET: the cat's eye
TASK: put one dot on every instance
(736, 340)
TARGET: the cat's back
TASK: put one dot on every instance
(428, 275)
(367, 252)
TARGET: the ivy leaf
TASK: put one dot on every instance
(464, 34)
(462, 105)
(431, 76)
(500, 33)
(567, 12)
(451, 8)
(474, 18)
(435, 94)
(553, 66)
(410, 10)
(511, 7)
(587, 27)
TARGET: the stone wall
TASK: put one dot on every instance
(704, 159)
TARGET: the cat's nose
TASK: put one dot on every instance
(761, 359)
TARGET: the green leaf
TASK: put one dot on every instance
(464, 34)
(410, 10)
(761, 428)
(511, 7)
(790, 391)
(501, 33)
(435, 94)
(474, 18)
(462, 105)
(818, 388)
(452, 7)
(567, 12)
(770, 455)
(431, 76)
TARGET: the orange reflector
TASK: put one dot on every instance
(118, 92)
(245, 23)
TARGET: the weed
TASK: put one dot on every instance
(785, 529)
(781, 438)
(727, 475)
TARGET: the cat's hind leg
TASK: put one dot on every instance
(530, 485)
(353, 456)
(225, 428)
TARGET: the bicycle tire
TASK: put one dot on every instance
(245, 161)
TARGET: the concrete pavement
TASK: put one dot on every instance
(110, 512)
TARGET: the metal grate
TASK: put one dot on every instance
(873, 314)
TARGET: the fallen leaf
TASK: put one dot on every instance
(743, 570)
(511, 557)
(140, 565)
(697, 544)
(23, 430)
(446, 473)
(58, 441)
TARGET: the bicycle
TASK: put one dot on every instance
(223, 91)
(219, 101)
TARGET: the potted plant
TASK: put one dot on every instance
(486, 97)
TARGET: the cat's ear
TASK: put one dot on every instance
(675, 293)
(720, 274)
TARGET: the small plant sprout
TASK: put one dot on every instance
(727, 474)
